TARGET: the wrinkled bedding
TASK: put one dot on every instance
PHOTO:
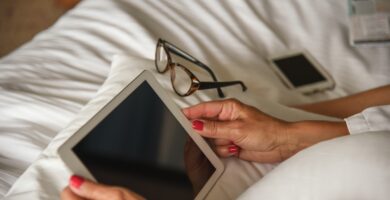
(45, 84)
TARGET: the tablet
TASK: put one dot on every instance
(142, 141)
(301, 72)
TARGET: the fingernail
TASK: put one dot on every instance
(76, 181)
(233, 149)
(197, 125)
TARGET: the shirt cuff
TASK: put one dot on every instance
(357, 124)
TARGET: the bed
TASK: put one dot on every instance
(57, 81)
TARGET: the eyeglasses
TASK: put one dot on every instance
(184, 82)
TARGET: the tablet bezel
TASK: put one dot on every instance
(71, 160)
(328, 83)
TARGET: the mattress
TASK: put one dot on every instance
(45, 84)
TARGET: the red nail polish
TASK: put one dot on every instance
(233, 149)
(76, 181)
(197, 125)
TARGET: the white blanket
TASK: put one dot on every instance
(47, 81)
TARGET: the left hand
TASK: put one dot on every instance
(249, 134)
(80, 188)
(198, 167)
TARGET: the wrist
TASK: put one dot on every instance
(306, 133)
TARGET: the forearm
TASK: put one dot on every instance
(350, 105)
(311, 131)
(303, 134)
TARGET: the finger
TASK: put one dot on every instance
(192, 153)
(67, 194)
(209, 109)
(227, 151)
(222, 142)
(92, 190)
(96, 191)
(222, 110)
(261, 157)
(214, 129)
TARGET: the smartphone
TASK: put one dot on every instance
(301, 72)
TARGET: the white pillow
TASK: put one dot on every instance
(351, 167)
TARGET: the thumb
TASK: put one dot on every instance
(213, 129)
(91, 190)
(260, 156)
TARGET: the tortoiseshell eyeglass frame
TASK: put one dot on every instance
(195, 84)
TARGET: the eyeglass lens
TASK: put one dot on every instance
(161, 58)
(181, 80)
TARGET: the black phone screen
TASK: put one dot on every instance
(299, 70)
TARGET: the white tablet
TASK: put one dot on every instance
(142, 141)
(301, 72)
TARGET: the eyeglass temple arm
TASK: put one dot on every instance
(211, 85)
(188, 57)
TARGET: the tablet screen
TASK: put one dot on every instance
(141, 145)
(299, 70)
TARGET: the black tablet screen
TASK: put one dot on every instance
(299, 70)
(141, 145)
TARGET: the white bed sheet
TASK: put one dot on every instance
(45, 83)
(48, 175)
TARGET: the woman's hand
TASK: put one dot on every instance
(198, 167)
(244, 131)
(79, 189)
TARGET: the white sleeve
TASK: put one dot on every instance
(371, 119)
